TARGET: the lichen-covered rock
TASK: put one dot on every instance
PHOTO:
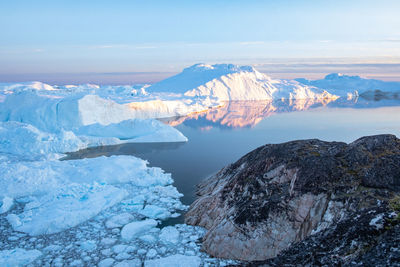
(283, 194)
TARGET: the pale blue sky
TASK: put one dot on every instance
(58, 37)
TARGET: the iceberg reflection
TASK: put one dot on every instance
(240, 114)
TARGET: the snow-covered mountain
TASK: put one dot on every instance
(227, 82)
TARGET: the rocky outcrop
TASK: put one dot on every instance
(279, 197)
(370, 237)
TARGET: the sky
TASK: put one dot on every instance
(144, 41)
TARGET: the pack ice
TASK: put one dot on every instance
(101, 211)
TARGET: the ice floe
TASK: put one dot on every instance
(6, 204)
(18, 257)
(134, 229)
(65, 208)
(103, 211)
(177, 260)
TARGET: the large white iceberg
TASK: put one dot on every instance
(35, 124)
(77, 113)
(227, 82)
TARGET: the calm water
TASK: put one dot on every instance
(221, 136)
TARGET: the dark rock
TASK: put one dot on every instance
(354, 241)
(304, 202)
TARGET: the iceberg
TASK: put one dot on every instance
(136, 130)
(23, 178)
(170, 235)
(227, 82)
(174, 260)
(90, 208)
(65, 208)
(25, 86)
(134, 229)
(6, 204)
(26, 141)
(64, 194)
(119, 220)
(43, 126)
(89, 115)
(343, 85)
